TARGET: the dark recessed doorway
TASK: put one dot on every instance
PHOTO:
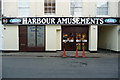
(75, 37)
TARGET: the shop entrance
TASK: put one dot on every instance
(31, 38)
(75, 37)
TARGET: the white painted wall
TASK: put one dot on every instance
(89, 8)
(119, 9)
(52, 33)
(93, 37)
(62, 7)
(113, 9)
(108, 37)
(36, 8)
(10, 8)
(11, 38)
(118, 37)
(1, 36)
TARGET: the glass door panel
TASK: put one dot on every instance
(84, 37)
(40, 36)
(65, 37)
(68, 41)
(68, 37)
(84, 46)
(78, 46)
(78, 37)
(31, 36)
(35, 36)
(71, 37)
(84, 41)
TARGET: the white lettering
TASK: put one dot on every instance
(34, 20)
(24, 21)
(97, 20)
(92, 21)
(29, 21)
(88, 21)
(101, 21)
(82, 20)
(43, 21)
(38, 21)
(53, 21)
(64, 20)
(59, 21)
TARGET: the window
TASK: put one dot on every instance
(49, 7)
(35, 36)
(102, 7)
(23, 8)
(76, 7)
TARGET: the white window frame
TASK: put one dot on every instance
(73, 2)
(49, 14)
(99, 2)
(24, 5)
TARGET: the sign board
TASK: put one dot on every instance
(60, 20)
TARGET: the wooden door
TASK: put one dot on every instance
(23, 38)
(32, 38)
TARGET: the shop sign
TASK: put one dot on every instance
(59, 20)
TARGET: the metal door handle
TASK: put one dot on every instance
(22, 44)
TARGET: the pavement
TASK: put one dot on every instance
(59, 54)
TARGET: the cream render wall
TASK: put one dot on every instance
(89, 8)
(11, 38)
(108, 37)
(113, 9)
(62, 8)
(119, 38)
(85, 9)
(33, 9)
(10, 8)
(1, 36)
(119, 9)
(51, 38)
(36, 8)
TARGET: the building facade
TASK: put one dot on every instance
(54, 37)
